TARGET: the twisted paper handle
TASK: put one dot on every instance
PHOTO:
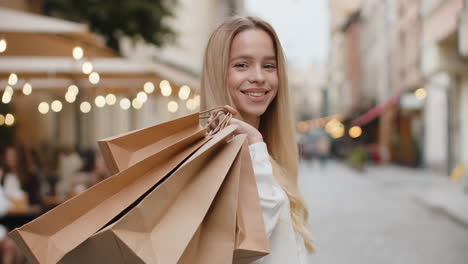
(219, 112)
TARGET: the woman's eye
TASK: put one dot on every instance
(240, 65)
(270, 66)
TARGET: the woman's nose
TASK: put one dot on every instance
(256, 75)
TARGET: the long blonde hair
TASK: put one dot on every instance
(276, 124)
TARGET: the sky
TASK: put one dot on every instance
(302, 26)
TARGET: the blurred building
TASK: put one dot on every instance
(407, 59)
(343, 73)
(308, 84)
(444, 68)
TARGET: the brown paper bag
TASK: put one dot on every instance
(125, 150)
(166, 224)
(250, 239)
(48, 238)
(237, 199)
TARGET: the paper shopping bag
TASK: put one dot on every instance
(165, 226)
(123, 151)
(251, 240)
(48, 238)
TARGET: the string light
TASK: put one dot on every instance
(85, 107)
(6, 98)
(78, 53)
(142, 97)
(420, 93)
(27, 89)
(87, 67)
(94, 78)
(3, 45)
(111, 99)
(70, 97)
(56, 106)
(100, 101)
(13, 79)
(125, 103)
(43, 108)
(73, 89)
(355, 132)
(184, 92)
(165, 87)
(148, 87)
(172, 106)
(137, 104)
(9, 90)
(2, 120)
(9, 119)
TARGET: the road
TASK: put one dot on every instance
(362, 218)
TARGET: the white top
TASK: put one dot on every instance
(12, 187)
(286, 246)
(4, 206)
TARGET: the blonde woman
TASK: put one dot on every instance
(244, 67)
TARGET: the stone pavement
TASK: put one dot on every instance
(427, 187)
(381, 216)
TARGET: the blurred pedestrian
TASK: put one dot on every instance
(69, 165)
(13, 178)
(9, 253)
(244, 67)
(322, 149)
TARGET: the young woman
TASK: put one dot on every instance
(244, 67)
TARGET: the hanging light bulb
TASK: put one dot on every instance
(73, 89)
(87, 67)
(125, 103)
(6, 98)
(9, 119)
(9, 90)
(56, 106)
(165, 87)
(27, 89)
(3, 45)
(148, 87)
(111, 99)
(184, 92)
(142, 97)
(85, 107)
(94, 78)
(172, 106)
(70, 97)
(78, 52)
(43, 108)
(100, 101)
(137, 104)
(13, 79)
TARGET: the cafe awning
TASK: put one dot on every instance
(40, 51)
(376, 111)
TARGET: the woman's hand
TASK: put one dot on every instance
(253, 135)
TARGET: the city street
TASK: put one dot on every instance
(373, 217)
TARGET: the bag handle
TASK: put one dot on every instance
(220, 113)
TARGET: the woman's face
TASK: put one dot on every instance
(252, 78)
(11, 158)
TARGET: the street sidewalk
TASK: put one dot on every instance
(426, 187)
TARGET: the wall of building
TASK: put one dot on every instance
(463, 109)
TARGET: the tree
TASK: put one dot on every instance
(114, 18)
